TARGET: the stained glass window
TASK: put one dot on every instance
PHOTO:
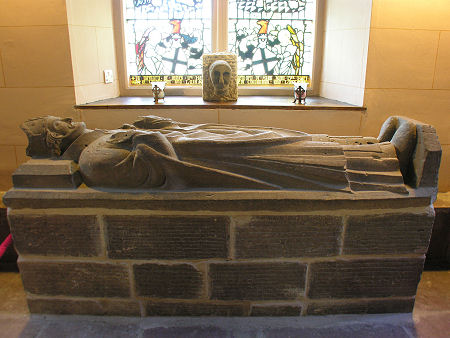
(273, 39)
(165, 40)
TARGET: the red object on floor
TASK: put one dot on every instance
(6, 243)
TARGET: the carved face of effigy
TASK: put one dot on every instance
(62, 128)
(49, 135)
(220, 73)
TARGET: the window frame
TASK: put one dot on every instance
(219, 41)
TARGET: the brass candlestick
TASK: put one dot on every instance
(158, 90)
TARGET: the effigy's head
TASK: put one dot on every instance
(49, 136)
(220, 73)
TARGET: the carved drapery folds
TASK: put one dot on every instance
(162, 154)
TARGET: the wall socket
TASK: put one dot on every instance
(108, 75)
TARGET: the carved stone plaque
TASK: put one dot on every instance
(220, 77)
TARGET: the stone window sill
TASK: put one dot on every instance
(244, 102)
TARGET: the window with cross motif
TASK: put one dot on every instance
(165, 39)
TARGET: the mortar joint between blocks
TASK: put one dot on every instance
(305, 305)
(207, 281)
(132, 282)
(203, 267)
(103, 236)
(247, 308)
(307, 283)
(232, 239)
(142, 308)
(341, 240)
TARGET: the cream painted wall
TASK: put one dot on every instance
(52, 56)
(92, 49)
(346, 39)
(35, 72)
(347, 122)
(408, 68)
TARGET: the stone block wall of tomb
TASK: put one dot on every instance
(220, 254)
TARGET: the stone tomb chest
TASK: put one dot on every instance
(225, 220)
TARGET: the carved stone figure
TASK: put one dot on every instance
(159, 153)
(220, 74)
(219, 77)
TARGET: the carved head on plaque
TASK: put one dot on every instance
(220, 77)
(220, 73)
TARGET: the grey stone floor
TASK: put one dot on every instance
(431, 318)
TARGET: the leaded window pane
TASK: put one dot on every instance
(274, 39)
(166, 38)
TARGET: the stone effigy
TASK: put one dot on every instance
(167, 218)
(159, 153)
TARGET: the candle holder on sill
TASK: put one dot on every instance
(158, 90)
(300, 92)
